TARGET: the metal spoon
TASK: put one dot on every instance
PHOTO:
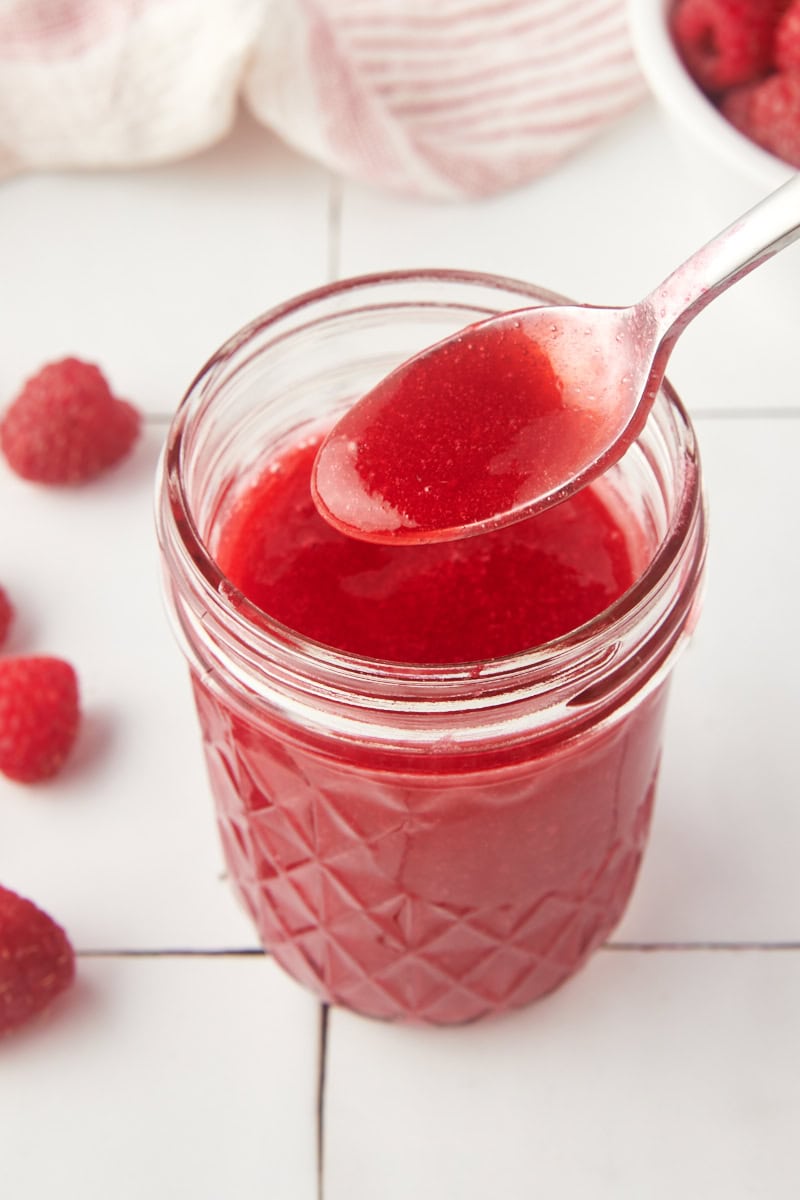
(517, 412)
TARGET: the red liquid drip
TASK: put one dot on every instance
(466, 431)
(478, 598)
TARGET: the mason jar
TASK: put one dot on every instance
(417, 842)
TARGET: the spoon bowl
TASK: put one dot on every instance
(517, 412)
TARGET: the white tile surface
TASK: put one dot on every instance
(722, 861)
(656, 1073)
(186, 1077)
(122, 845)
(147, 272)
(649, 1076)
(581, 231)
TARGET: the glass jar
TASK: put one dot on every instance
(417, 842)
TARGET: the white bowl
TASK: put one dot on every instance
(721, 156)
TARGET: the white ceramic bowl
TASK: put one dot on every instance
(722, 157)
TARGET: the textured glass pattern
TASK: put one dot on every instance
(431, 897)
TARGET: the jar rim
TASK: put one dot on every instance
(264, 632)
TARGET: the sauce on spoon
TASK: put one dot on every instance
(517, 412)
(480, 425)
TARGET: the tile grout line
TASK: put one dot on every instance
(710, 946)
(322, 1067)
(174, 952)
(698, 414)
(334, 228)
(745, 413)
(666, 947)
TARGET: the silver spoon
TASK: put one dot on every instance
(431, 455)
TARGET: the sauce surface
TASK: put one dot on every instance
(470, 430)
(482, 597)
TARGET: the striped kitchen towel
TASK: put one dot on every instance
(441, 98)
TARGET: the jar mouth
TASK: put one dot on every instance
(256, 629)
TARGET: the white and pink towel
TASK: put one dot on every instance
(441, 98)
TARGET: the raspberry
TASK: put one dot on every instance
(725, 43)
(776, 116)
(65, 426)
(6, 614)
(769, 113)
(737, 106)
(39, 716)
(37, 961)
(786, 45)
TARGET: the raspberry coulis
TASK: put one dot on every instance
(461, 434)
(442, 885)
(482, 597)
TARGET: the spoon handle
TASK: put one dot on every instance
(749, 241)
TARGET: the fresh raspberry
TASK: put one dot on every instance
(39, 716)
(6, 614)
(65, 426)
(769, 113)
(786, 44)
(725, 43)
(737, 106)
(37, 961)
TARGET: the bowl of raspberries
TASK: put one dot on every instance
(728, 74)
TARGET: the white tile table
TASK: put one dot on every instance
(184, 1063)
